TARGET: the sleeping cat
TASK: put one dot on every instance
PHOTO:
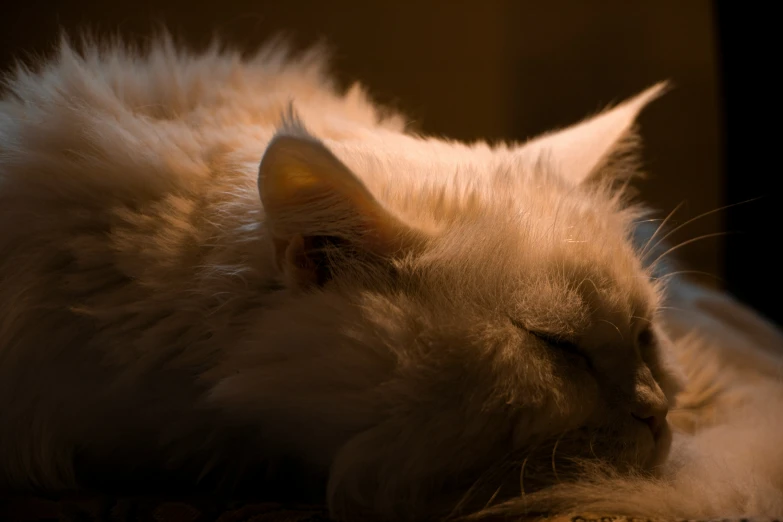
(212, 266)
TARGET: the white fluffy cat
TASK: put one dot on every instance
(190, 283)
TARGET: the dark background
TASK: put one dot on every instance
(509, 69)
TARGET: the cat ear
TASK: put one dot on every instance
(579, 151)
(316, 207)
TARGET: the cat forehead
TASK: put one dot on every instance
(458, 182)
(563, 255)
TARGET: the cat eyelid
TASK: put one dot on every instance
(557, 342)
(547, 337)
(554, 340)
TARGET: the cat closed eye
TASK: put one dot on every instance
(564, 345)
(569, 348)
(557, 342)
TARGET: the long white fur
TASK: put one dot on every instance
(144, 306)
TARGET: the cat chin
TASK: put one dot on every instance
(650, 451)
(620, 447)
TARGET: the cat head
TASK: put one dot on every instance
(501, 313)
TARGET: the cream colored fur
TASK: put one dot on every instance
(191, 280)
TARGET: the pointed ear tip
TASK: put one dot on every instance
(650, 94)
(287, 141)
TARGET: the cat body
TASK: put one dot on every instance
(195, 277)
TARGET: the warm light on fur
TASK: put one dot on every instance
(197, 275)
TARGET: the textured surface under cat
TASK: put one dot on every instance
(93, 509)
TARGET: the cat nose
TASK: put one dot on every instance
(653, 415)
(650, 405)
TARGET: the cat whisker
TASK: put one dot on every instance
(684, 272)
(522, 475)
(674, 308)
(554, 452)
(615, 327)
(487, 476)
(493, 497)
(464, 499)
(660, 226)
(679, 227)
(588, 280)
(686, 243)
(590, 444)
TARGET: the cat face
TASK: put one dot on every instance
(520, 320)
(557, 300)
(533, 336)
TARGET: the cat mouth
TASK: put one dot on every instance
(662, 445)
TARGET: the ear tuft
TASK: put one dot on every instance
(292, 125)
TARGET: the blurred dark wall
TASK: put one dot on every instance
(468, 70)
(750, 58)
